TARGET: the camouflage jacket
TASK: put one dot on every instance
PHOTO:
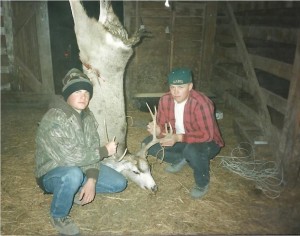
(67, 138)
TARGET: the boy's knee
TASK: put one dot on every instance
(121, 184)
(74, 177)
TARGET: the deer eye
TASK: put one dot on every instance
(136, 172)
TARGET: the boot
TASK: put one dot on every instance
(65, 226)
(199, 192)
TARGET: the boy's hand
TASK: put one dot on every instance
(170, 139)
(150, 128)
(111, 147)
(88, 192)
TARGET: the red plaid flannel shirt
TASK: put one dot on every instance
(199, 118)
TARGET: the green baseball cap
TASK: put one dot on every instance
(180, 76)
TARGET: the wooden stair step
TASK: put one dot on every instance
(249, 132)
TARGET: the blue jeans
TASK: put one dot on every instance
(64, 182)
(198, 156)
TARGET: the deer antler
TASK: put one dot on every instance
(144, 149)
(107, 139)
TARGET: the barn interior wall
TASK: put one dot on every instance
(175, 41)
(269, 33)
(31, 47)
(257, 43)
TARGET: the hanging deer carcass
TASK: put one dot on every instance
(104, 52)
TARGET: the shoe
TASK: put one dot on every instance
(65, 226)
(173, 168)
(199, 192)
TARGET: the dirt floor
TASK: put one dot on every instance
(232, 206)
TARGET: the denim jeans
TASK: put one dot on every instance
(64, 182)
(198, 156)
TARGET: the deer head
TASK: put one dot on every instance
(135, 166)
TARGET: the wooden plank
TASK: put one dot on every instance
(190, 21)
(223, 39)
(188, 32)
(273, 100)
(189, 8)
(241, 108)
(161, 12)
(7, 22)
(249, 114)
(231, 77)
(24, 99)
(267, 33)
(278, 68)
(27, 52)
(43, 34)
(209, 30)
(247, 6)
(29, 78)
(289, 148)
(246, 131)
(193, 43)
(276, 102)
(276, 34)
(152, 5)
(172, 39)
(5, 69)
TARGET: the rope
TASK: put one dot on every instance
(267, 175)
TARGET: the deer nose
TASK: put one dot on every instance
(154, 188)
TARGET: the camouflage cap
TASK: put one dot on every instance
(76, 80)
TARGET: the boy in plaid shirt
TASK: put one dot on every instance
(196, 138)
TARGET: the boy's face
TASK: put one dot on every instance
(180, 92)
(79, 100)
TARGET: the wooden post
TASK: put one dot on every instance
(7, 21)
(289, 148)
(43, 33)
(265, 120)
(209, 31)
(173, 16)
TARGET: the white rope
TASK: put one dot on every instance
(267, 175)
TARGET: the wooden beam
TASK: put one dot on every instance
(8, 30)
(289, 148)
(265, 120)
(246, 131)
(273, 100)
(278, 68)
(209, 30)
(230, 76)
(29, 78)
(266, 33)
(43, 34)
(242, 108)
(172, 37)
(275, 34)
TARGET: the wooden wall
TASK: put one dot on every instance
(31, 46)
(256, 70)
(177, 41)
